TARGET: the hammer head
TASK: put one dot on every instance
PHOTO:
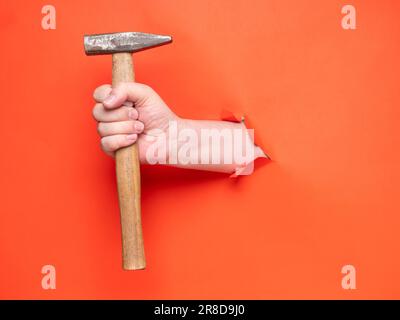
(109, 43)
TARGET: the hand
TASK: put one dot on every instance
(127, 113)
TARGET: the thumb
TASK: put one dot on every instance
(137, 93)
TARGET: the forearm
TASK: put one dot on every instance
(212, 152)
(219, 146)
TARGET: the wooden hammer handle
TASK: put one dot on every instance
(128, 180)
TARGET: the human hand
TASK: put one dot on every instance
(129, 113)
(135, 113)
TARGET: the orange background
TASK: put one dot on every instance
(323, 100)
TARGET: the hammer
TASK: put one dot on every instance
(121, 45)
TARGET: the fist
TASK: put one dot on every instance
(127, 114)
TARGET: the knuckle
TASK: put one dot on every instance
(101, 91)
(107, 144)
(94, 95)
(96, 111)
(96, 92)
(100, 128)
(103, 144)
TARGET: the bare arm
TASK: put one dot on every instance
(134, 113)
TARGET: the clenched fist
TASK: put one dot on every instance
(127, 113)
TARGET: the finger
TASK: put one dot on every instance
(102, 92)
(111, 144)
(129, 91)
(120, 114)
(123, 127)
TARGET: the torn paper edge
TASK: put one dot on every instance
(248, 168)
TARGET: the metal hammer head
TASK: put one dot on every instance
(109, 43)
